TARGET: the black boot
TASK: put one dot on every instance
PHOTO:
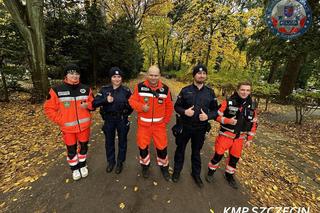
(231, 181)
(165, 172)
(210, 177)
(145, 171)
(197, 180)
(175, 176)
(110, 167)
(119, 168)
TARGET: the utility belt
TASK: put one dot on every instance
(178, 127)
(119, 115)
(114, 114)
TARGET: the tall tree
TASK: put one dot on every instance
(28, 15)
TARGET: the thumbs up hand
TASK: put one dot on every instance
(234, 120)
(189, 112)
(146, 107)
(109, 98)
(203, 116)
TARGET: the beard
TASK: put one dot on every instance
(199, 81)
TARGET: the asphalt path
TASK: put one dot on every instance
(128, 191)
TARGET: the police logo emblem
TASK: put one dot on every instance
(288, 19)
(117, 72)
(83, 91)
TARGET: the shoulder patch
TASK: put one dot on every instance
(126, 88)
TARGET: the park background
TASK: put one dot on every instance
(39, 37)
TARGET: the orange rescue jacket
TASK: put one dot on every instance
(63, 107)
(159, 100)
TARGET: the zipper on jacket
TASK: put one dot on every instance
(75, 104)
(152, 108)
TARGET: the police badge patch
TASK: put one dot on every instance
(288, 19)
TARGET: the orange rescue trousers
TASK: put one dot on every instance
(77, 148)
(158, 133)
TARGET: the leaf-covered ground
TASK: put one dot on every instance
(283, 166)
(280, 169)
(29, 144)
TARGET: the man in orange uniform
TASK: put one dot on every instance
(238, 118)
(69, 105)
(153, 103)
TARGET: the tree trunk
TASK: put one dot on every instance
(267, 102)
(180, 55)
(209, 44)
(174, 47)
(4, 83)
(273, 69)
(94, 68)
(290, 75)
(29, 20)
(156, 41)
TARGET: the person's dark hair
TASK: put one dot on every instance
(71, 67)
(247, 83)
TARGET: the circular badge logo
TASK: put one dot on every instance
(288, 19)
(83, 91)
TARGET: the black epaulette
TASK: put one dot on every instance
(208, 87)
(165, 86)
(126, 88)
(106, 86)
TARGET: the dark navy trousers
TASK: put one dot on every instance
(197, 136)
(112, 125)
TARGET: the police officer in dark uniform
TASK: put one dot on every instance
(196, 104)
(115, 109)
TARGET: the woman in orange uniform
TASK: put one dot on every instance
(69, 105)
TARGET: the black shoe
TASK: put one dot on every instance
(109, 168)
(231, 181)
(175, 176)
(119, 168)
(145, 171)
(210, 177)
(197, 180)
(165, 172)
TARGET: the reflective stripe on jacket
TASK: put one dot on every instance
(159, 100)
(63, 106)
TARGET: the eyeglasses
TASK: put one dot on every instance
(73, 72)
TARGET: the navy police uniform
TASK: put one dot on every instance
(191, 127)
(115, 116)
